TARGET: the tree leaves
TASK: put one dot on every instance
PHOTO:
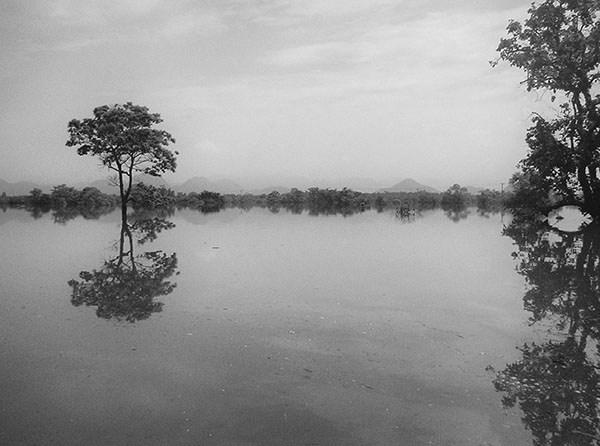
(558, 47)
(123, 137)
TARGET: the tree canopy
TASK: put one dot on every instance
(123, 138)
(558, 46)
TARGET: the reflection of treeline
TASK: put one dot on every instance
(91, 202)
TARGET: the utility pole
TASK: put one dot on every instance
(502, 201)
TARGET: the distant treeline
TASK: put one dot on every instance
(67, 202)
(346, 201)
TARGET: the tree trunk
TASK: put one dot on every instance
(590, 201)
(122, 242)
(124, 199)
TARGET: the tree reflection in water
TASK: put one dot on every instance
(457, 212)
(556, 382)
(125, 287)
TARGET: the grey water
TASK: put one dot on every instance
(265, 329)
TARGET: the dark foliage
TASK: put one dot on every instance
(556, 383)
(123, 137)
(126, 286)
(558, 46)
(146, 196)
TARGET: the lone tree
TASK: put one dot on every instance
(558, 47)
(124, 139)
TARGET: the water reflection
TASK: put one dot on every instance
(457, 212)
(556, 381)
(126, 286)
(407, 214)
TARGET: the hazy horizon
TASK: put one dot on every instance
(363, 184)
(317, 89)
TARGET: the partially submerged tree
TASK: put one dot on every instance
(124, 139)
(558, 47)
(456, 197)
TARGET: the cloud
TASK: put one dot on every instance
(285, 84)
(99, 13)
(74, 25)
(207, 146)
(439, 48)
(321, 8)
(193, 23)
(324, 52)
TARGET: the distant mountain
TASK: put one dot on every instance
(409, 185)
(107, 187)
(199, 184)
(103, 186)
(359, 184)
(227, 187)
(4, 186)
(268, 190)
(194, 184)
(473, 190)
(151, 180)
(21, 187)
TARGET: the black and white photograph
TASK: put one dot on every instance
(299, 222)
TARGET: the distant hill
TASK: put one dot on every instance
(151, 180)
(21, 187)
(268, 190)
(225, 186)
(199, 184)
(195, 184)
(105, 186)
(361, 184)
(409, 185)
(473, 190)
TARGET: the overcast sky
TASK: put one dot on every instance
(264, 89)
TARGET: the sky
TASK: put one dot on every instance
(270, 91)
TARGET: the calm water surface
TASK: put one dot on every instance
(282, 329)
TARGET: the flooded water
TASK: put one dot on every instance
(260, 328)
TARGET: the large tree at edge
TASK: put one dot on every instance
(558, 46)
